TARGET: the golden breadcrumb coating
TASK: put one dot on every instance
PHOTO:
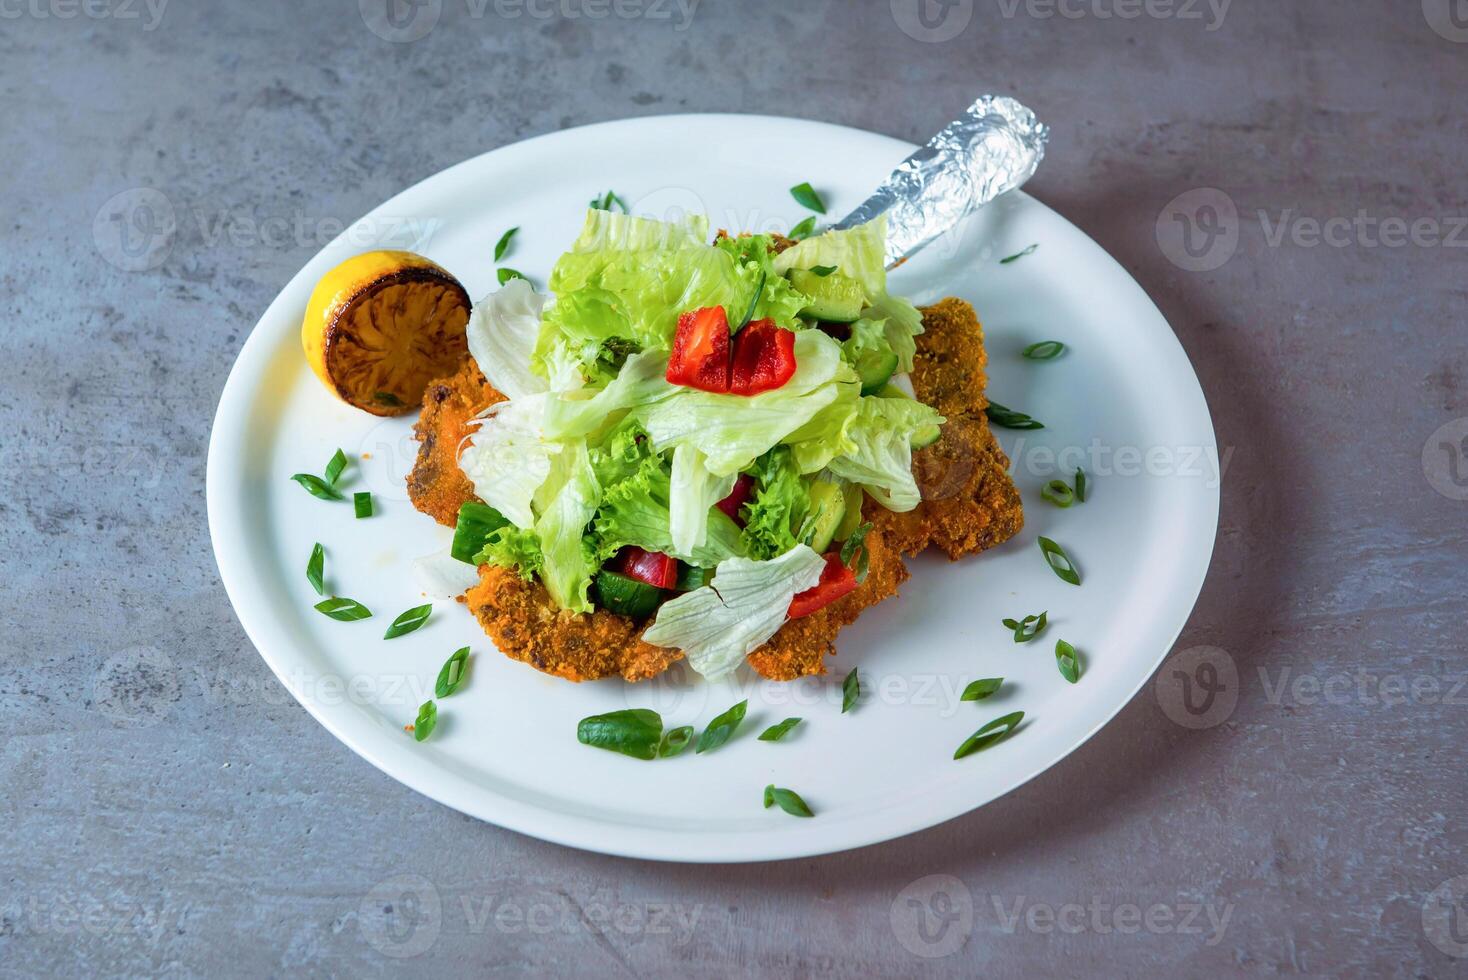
(436, 485)
(526, 625)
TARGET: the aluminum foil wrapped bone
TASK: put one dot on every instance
(995, 146)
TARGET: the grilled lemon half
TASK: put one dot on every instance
(381, 325)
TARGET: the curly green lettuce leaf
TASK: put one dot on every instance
(731, 430)
(513, 548)
(626, 280)
(718, 625)
(636, 506)
(881, 457)
(778, 299)
(780, 503)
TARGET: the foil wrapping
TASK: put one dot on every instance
(995, 146)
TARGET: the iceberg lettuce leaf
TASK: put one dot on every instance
(718, 625)
(693, 491)
(731, 430)
(507, 460)
(567, 565)
(881, 460)
(502, 331)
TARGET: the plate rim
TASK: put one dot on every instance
(529, 819)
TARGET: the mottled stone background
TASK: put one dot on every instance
(168, 809)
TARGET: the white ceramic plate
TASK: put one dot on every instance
(1123, 402)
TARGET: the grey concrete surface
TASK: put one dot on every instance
(197, 822)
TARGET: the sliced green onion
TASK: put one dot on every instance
(1060, 562)
(426, 721)
(316, 568)
(1028, 628)
(803, 228)
(850, 691)
(788, 800)
(506, 274)
(823, 270)
(759, 287)
(1045, 350)
(721, 728)
(982, 688)
(362, 503)
(776, 732)
(1080, 484)
(334, 466)
(503, 245)
(994, 731)
(1058, 492)
(408, 621)
(675, 741)
(1020, 254)
(1068, 661)
(451, 675)
(345, 610)
(317, 487)
(608, 202)
(1009, 418)
(806, 196)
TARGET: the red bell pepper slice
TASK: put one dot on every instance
(700, 357)
(836, 580)
(743, 488)
(652, 567)
(764, 358)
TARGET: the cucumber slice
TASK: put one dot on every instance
(852, 495)
(475, 524)
(692, 577)
(924, 435)
(827, 507)
(875, 367)
(834, 298)
(626, 596)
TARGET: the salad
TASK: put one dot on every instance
(704, 448)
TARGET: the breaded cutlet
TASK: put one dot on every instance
(970, 504)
